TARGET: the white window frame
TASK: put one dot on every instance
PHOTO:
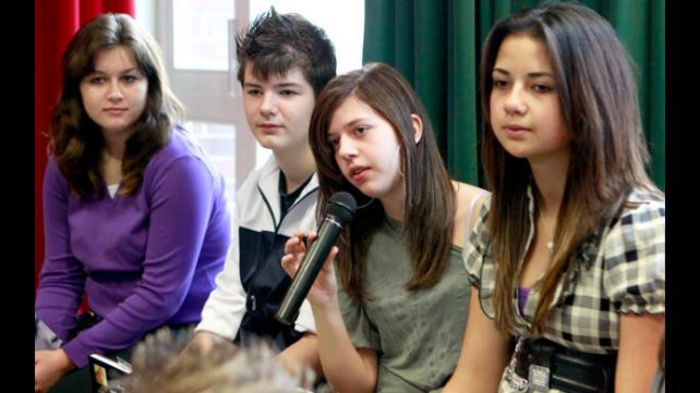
(212, 96)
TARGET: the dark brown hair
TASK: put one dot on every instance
(76, 141)
(430, 199)
(274, 43)
(598, 97)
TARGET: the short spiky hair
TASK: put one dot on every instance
(274, 43)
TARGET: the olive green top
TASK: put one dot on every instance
(417, 334)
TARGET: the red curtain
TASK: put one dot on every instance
(55, 22)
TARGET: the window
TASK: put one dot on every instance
(200, 34)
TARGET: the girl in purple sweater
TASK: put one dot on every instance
(134, 213)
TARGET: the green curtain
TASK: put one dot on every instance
(436, 45)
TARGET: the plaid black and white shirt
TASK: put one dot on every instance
(619, 269)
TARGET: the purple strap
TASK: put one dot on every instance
(523, 293)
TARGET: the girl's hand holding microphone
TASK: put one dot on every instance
(325, 286)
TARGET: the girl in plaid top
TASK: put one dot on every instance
(568, 256)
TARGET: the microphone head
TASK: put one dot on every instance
(342, 205)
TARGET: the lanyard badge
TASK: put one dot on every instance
(538, 377)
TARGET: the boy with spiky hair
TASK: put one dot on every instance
(284, 63)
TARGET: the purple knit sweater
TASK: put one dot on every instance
(145, 260)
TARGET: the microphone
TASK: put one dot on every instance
(339, 211)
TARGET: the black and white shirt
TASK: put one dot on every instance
(252, 285)
(619, 269)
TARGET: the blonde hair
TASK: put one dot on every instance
(159, 367)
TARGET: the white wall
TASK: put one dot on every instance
(146, 15)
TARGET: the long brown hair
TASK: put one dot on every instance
(430, 199)
(598, 97)
(76, 141)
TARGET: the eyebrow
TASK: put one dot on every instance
(276, 86)
(132, 69)
(288, 84)
(348, 124)
(529, 74)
